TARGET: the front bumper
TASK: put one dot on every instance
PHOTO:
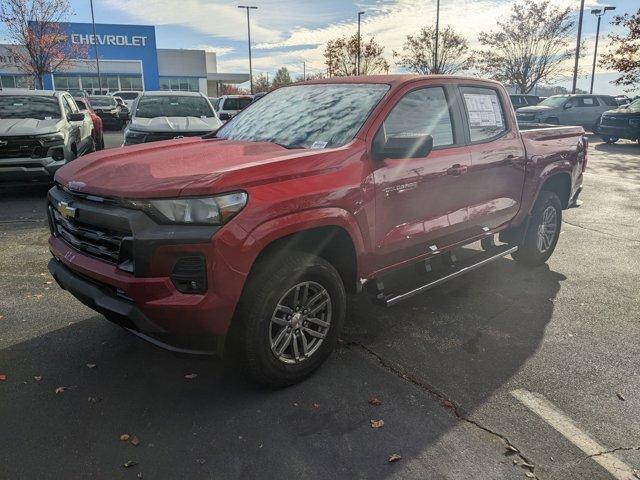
(628, 132)
(29, 169)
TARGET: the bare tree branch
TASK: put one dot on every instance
(341, 56)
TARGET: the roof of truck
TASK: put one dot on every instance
(33, 93)
(395, 80)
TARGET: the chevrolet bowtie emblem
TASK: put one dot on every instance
(3, 143)
(66, 210)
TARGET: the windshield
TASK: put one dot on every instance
(103, 101)
(81, 105)
(127, 95)
(151, 106)
(635, 105)
(554, 101)
(236, 103)
(40, 108)
(306, 116)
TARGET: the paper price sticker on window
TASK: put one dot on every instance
(319, 145)
(484, 110)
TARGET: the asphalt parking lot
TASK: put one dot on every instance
(507, 372)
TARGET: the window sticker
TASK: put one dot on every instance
(319, 145)
(484, 110)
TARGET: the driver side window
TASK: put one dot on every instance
(421, 112)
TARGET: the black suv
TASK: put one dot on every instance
(623, 122)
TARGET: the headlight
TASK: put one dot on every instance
(134, 134)
(200, 210)
(634, 122)
(55, 137)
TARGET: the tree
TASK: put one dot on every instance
(228, 89)
(418, 52)
(282, 78)
(38, 40)
(261, 83)
(531, 45)
(341, 57)
(624, 51)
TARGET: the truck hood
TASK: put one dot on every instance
(534, 109)
(175, 124)
(624, 112)
(186, 166)
(28, 126)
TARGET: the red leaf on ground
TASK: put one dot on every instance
(447, 404)
(3, 378)
(135, 441)
(60, 389)
(316, 406)
(375, 401)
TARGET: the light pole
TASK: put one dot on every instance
(598, 13)
(358, 62)
(95, 46)
(247, 8)
(304, 71)
(575, 66)
(435, 50)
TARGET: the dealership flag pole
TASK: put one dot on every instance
(249, 40)
(95, 46)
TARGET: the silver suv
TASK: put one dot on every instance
(582, 110)
(40, 131)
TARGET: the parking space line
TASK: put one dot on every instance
(564, 425)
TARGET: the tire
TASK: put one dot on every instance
(535, 251)
(100, 145)
(610, 140)
(596, 127)
(271, 294)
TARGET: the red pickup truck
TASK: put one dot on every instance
(248, 239)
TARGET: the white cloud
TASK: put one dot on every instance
(219, 51)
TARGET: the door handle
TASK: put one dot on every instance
(457, 170)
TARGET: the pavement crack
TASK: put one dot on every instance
(601, 232)
(613, 450)
(444, 402)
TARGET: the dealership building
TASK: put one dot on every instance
(128, 60)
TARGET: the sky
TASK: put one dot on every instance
(290, 32)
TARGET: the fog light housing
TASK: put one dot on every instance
(57, 154)
(189, 274)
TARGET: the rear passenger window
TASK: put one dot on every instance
(421, 112)
(588, 102)
(610, 101)
(484, 112)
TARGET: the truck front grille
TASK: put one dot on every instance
(156, 136)
(19, 147)
(614, 121)
(96, 241)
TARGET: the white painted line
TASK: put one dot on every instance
(563, 424)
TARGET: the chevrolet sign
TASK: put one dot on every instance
(66, 210)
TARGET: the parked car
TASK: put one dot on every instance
(128, 96)
(252, 236)
(521, 100)
(623, 122)
(84, 105)
(622, 100)
(259, 95)
(164, 115)
(124, 110)
(107, 109)
(228, 106)
(40, 131)
(582, 110)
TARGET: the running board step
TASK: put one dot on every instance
(454, 271)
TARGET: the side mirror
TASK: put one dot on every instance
(418, 146)
(75, 117)
(224, 116)
(567, 106)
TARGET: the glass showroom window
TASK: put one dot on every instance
(16, 81)
(184, 84)
(63, 82)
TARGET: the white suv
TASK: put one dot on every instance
(229, 105)
(127, 96)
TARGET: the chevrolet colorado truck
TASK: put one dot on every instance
(248, 239)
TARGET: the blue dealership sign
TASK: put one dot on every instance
(118, 42)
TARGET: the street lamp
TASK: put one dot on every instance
(598, 12)
(249, 41)
(95, 46)
(358, 61)
(435, 50)
(575, 65)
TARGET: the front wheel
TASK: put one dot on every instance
(289, 318)
(542, 232)
(610, 140)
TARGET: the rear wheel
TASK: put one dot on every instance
(596, 127)
(543, 230)
(289, 318)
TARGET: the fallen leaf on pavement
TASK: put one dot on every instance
(129, 464)
(394, 458)
(529, 475)
(139, 475)
(38, 296)
(447, 404)
(3, 378)
(60, 389)
(316, 406)
(37, 378)
(377, 423)
(620, 396)
(527, 465)
(91, 365)
(124, 437)
(1, 317)
(375, 401)
(93, 399)
(191, 375)
(511, 449)
(135, 441)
